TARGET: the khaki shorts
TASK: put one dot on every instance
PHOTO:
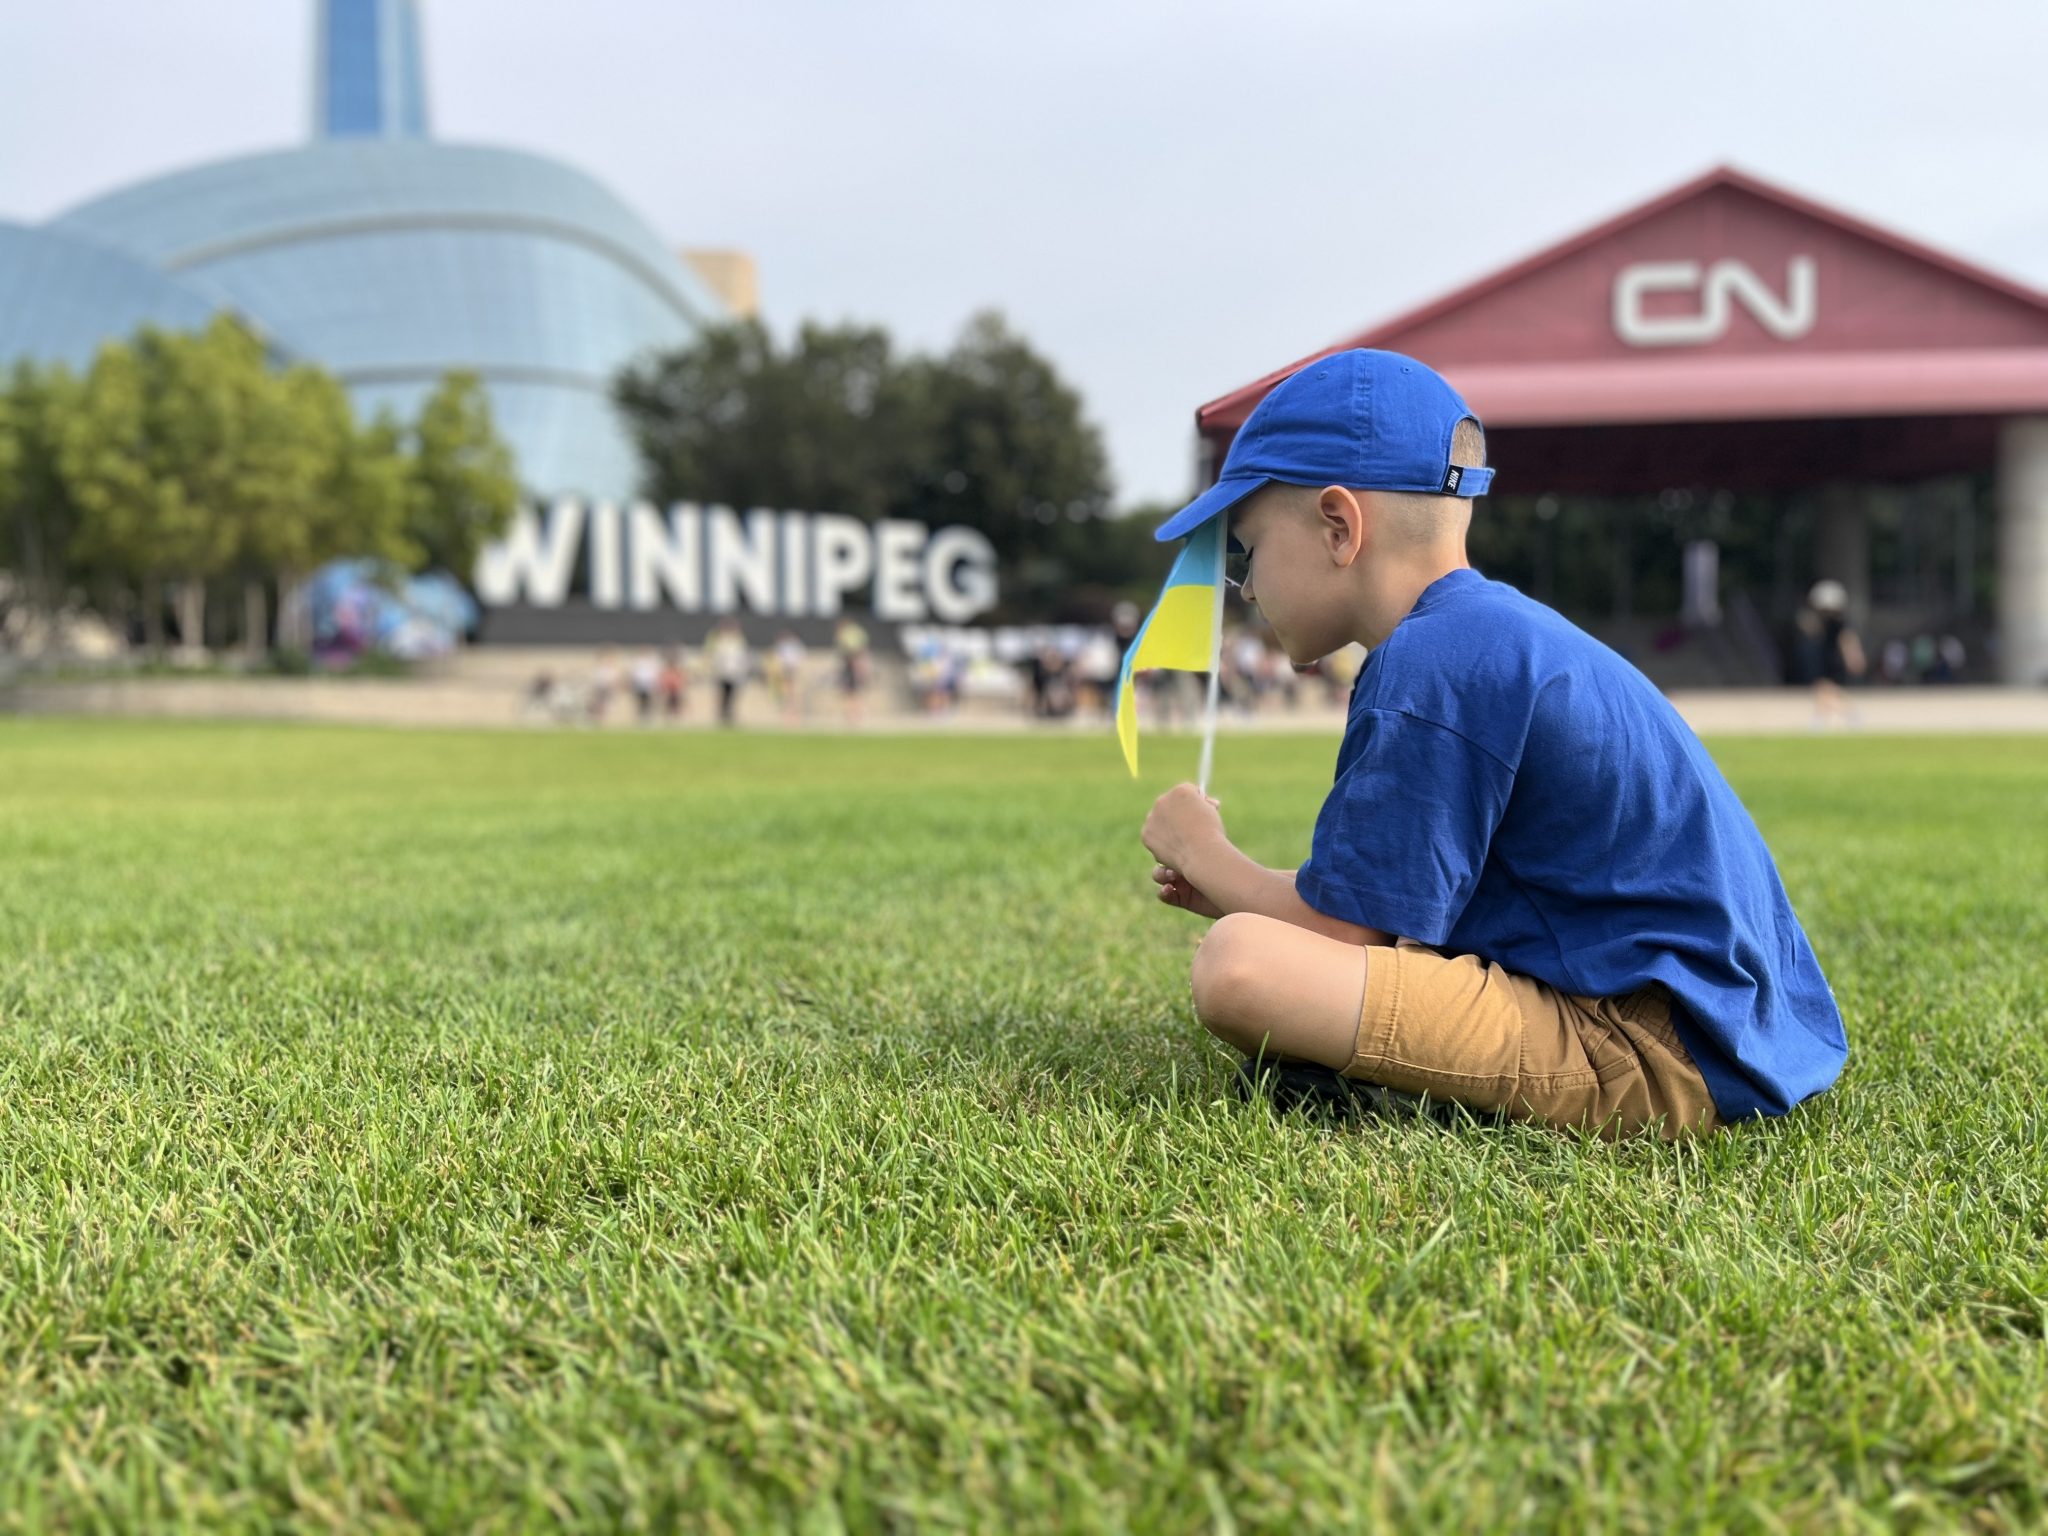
(1460, 1028)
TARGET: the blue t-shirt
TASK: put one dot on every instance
(1509, 787)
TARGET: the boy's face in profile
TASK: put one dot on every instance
(1297, 567)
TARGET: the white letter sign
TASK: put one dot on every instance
(1725, 279)
(792, 565)
(534, 561)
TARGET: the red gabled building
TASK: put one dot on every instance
(1731, 334)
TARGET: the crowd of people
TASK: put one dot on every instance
(1077, 676)
(1068, 674)
(656, 683)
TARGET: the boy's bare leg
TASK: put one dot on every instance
(1260, 983)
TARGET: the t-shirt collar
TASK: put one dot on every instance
(1444, 586)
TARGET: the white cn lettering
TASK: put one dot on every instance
(740, 559)
(841, 559)
(959, 574)
(1727, 278)
(664, 555)
(535, 559)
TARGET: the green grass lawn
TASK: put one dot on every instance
(490, 1130)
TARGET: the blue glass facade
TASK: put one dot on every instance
(392, 261)
(61, 297)
(368, 75)
(384, 257)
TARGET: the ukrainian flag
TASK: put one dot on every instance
(1181, 632)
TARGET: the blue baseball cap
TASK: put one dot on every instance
(1374, 421)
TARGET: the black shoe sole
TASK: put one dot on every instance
(1306, 1087)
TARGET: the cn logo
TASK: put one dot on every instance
(1787, 319)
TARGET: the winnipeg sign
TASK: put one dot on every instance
(710, 559)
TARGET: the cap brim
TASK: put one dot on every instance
(1220, 497)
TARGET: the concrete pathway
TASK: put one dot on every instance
(497, 702)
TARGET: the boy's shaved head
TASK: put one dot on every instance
(1425, 519)
(1416, 517)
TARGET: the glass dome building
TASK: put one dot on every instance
(385, 257)
(60, 297)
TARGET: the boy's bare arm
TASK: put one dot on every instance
(1185, 833)
(1237, 884)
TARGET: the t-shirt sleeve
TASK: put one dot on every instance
(1400, 842)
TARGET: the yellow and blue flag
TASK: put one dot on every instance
(1181, 632)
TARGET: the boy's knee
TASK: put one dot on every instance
(1225, 975)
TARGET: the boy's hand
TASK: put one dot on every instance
(1182, 820)
(1177, 891)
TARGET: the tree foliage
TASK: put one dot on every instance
(828, 424)
(38, 515)
(464, 489)
(192, 459)
(10, 461)
(985, 434)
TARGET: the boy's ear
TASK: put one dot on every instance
(1342, 522)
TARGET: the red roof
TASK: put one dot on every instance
(1726, 299)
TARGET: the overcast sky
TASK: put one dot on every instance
(1169, 197)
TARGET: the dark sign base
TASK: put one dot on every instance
(577, 623)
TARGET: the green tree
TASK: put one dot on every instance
(174, 448)
(105, 459)
(465, 488)
(11, 582)
(1011, 452)
(1109, 560)
(317, 486)
(38, 516)
(369, 494)
(986, 434)
(10, 462)
(832, 424)
(10, 469)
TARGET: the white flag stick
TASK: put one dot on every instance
(1215, 687)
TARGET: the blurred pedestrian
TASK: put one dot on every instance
(731, 664)
(1096, 666)
(925, 671)
(1052, 682)
(674, 684)
(1340, 671)
(645, 675)
(540, 696)
(604, 682)
(1162, 688)
(788, 683)
(1280, 676)
(1829, 651)
(851, 642)
(952, 675)
(1124, 621)
(1244, 669)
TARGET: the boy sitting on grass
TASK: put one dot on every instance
(1530, 890)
